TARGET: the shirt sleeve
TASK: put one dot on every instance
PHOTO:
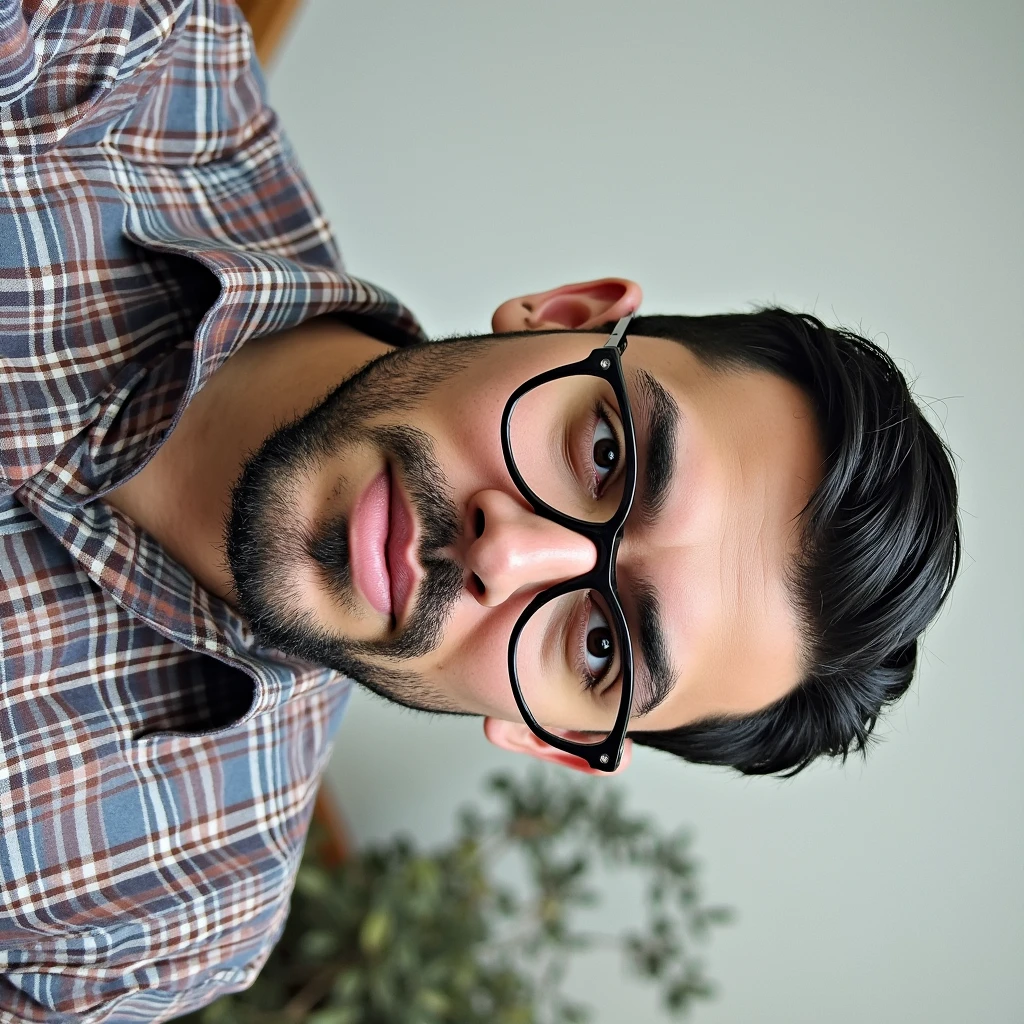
(60, 60)
(45, 997)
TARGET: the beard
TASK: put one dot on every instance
(267, 541)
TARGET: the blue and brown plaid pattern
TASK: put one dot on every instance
(157, 767)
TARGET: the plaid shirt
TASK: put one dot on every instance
(158, 767)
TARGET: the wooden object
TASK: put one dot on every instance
(268, 20)
(335, 846)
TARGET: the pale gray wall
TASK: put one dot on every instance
(863, 161)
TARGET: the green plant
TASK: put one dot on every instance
(398, 936)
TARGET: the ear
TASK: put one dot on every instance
(576, 307)
(520, 739)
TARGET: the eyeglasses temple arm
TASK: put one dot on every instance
(617, 339)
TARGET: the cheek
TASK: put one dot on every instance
(469, 418)
(471, 666)
(467, 440)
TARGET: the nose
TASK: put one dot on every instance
(513, 548)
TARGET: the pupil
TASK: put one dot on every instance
(605, 452)
(599, 642)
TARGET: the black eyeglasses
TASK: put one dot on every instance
(549, 426)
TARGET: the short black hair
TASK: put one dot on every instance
(880, 545)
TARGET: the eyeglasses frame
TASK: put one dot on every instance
(603, 362)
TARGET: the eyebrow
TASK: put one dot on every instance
(656, 676)
(659, 415)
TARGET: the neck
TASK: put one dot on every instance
(183, 495)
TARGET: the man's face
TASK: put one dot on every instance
(422, 425)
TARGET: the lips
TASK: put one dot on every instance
(401, 563)
(368, 533)
(381, 538)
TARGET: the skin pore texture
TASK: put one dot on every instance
(747, 459)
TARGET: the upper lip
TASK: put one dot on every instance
(404, 571)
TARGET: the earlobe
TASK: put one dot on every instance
(585, 305)
(520, 739)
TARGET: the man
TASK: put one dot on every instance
(233, 479)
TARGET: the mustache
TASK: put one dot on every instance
(437, 513)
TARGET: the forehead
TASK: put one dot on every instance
(746, 462)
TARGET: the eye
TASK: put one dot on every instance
(597, 646)
(606, 452)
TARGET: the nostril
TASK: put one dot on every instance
(478, 522)
(479, 584)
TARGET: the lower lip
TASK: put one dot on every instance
(367, 538)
